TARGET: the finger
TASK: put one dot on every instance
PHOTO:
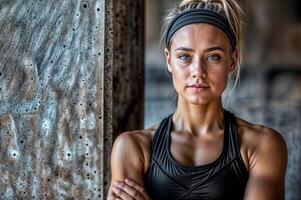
(111, 194)
(129, 190)
(133, 184)
(132, 192)
(122, 194)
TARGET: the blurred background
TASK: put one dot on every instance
(269, 91)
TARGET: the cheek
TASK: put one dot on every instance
(178, 79)
(218, 78)
(179, 73)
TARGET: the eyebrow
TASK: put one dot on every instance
(206, 50)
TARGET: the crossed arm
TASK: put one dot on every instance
(268, 162)
(127, 162)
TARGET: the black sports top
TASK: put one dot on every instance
(224, 178)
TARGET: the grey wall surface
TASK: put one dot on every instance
(51, 115)
(58, 63)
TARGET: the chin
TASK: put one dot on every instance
(202, 99)
(199, 100)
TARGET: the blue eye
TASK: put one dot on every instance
(213, 57)
(185, 57)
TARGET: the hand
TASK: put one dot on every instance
(128, 190)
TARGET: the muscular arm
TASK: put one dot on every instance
(127, 160)
(268, 166)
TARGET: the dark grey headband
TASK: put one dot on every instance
(200, 16)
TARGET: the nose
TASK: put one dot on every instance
(198, 69)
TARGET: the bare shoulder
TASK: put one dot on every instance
(260, 141)
(259, 135)
(137, 138)
(135, 143)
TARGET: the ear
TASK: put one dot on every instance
(233, 61)
(167, 58)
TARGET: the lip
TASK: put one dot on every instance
(198, 87)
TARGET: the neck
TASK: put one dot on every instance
(198, 119)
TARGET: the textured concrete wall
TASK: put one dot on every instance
(56, 94)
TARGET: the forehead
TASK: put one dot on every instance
(200, 35)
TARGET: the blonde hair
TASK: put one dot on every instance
(230, 9)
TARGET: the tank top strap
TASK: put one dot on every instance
(233, 142)
(231, 149)
(159, 140)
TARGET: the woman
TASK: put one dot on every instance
(201, 151)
